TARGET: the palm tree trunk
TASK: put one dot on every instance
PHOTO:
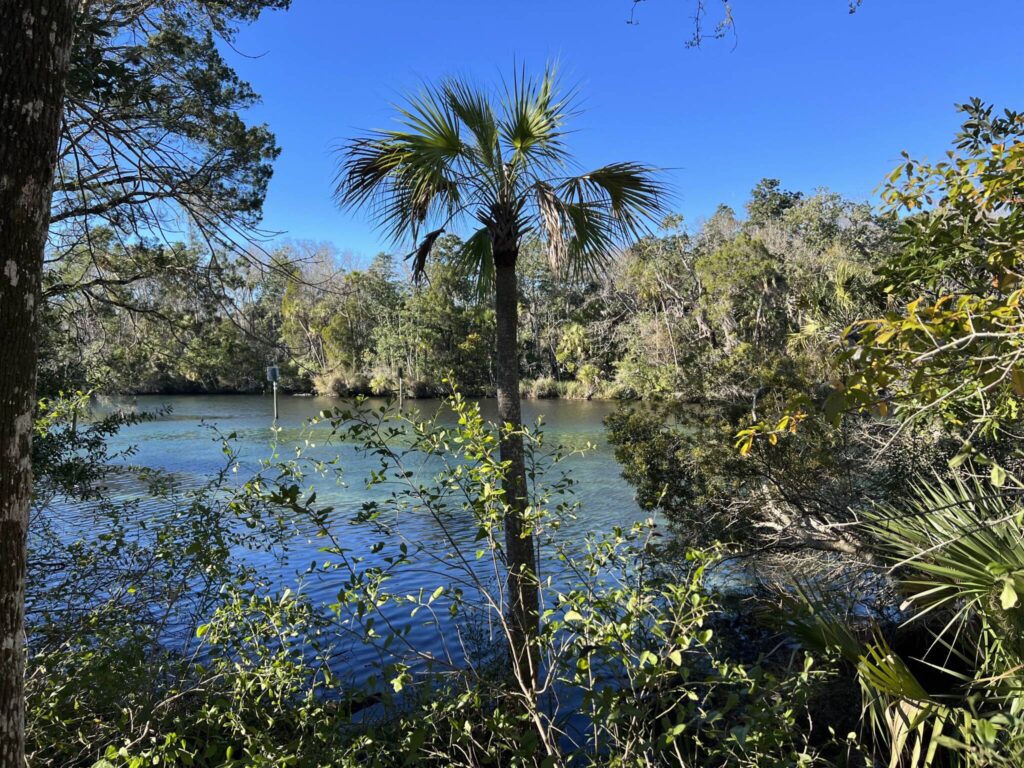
(522, 595)
(35, 44)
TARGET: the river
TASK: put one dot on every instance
(181, 442)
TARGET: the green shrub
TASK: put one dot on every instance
(575, 390)
(421, 389)
(330, 385)
(358, 384)
(625, 633)
(382, 385)
(106, 582)
(625, 636)
(341, 385)
(545, 388)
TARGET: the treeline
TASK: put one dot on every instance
(687, 313)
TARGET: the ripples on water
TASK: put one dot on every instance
(182, 442)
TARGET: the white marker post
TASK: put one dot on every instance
(273, 374)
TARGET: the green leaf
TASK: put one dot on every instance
(1008, 599)
(998, 476)
(960, 458)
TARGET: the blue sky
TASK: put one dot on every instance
(806, 92)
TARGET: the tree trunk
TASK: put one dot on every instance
(522, 594)
(35, 45)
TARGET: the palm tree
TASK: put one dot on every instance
(494, 163)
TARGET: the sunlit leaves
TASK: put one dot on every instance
(949, 347)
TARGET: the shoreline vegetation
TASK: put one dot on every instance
(535, 389)
(675, 316)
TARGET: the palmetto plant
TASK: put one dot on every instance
(493, 164)
(956, 550)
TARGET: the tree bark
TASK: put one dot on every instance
(522, 586)
(35, 46)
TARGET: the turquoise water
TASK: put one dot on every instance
(182, 443)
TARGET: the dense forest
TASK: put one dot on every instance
(665, 319)
(816, 402)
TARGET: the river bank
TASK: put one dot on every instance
(543, 388)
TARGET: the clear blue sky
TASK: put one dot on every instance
(806, 92)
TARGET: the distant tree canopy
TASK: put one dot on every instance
(153, 150)
(159, 187)
(677, 314)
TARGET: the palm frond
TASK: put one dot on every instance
(581, 238)
(956, 549)
(594, 239)
(475, 257)
(404, 176)
(431, 124)
(461, 153)
(533, 120)
(631, 192)
(474, 109)
(898, 708)
(553, 222)
(366, 164)
(419, 256)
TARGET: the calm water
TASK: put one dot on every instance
(182, 442)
